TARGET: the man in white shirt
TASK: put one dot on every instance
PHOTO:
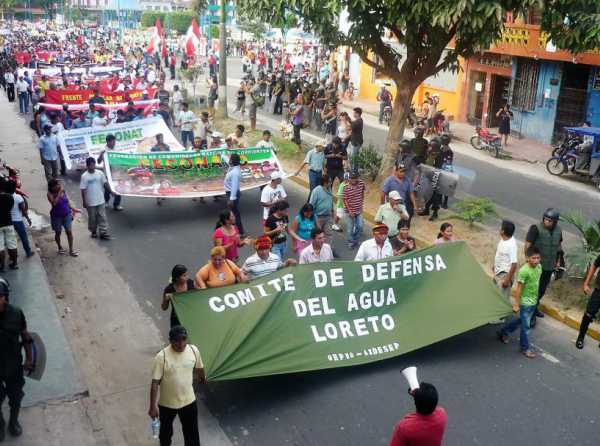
(100, 120)
(9, 78)
(151, 76)
(23, 92)
(506, 260)
(186, 120)
(92, 185)
(376, 248)
(204, 128)
(272, 193)
(176, 100)
(263, 261)
(318, 251)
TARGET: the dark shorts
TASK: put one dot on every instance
(58, 223)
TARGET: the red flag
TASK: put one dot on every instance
(192, 38)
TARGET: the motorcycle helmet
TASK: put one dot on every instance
(435, 144)
(4, 287)
(445, 139)
(552, 214)
(404, 145)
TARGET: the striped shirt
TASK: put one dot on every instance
(354, 197)
(255, 267)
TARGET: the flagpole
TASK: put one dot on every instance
(222, 110)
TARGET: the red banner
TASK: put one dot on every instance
(83, 96)
(23, 57)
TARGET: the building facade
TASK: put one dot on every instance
(546, 88)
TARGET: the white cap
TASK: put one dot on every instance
(217, 135)
(321, 143)
(394, 195)
(276, 175)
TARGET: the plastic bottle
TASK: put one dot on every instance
(155, 425)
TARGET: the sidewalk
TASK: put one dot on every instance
(523, 149)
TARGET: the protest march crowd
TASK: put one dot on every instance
(67, 79)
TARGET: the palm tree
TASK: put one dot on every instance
(580, 257)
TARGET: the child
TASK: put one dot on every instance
(339, 206)
(526, 296)
(266, 141)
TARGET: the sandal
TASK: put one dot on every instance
(74, 254)
(502, 338)
(579, 343)
(528, 354)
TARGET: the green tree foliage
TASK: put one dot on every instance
(411, 40)
(179, 21)
(580, 257)
(254, 27)
(198, 7)
(474, 210)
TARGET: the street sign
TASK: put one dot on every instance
(214, 8)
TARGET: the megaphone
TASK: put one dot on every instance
(410, 373)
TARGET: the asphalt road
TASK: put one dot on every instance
(493, 395)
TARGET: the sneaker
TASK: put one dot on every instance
(538, 313)
(118, 208)
(105, 237)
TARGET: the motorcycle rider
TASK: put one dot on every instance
(384, 97)
(434, 159)
(419, 145)
(547, 237)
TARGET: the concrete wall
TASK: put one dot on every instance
(538, 124)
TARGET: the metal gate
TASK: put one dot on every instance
(570, 110)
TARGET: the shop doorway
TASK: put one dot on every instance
(498, 97)
(476, 92)
(572, 98)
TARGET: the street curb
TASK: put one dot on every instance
(551, 311)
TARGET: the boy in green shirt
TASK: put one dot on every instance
(339, 206)
(526, 297)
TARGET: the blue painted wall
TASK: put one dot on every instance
(593, 100)
(538, 124)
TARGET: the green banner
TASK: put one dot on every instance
(186, 174)
(337, 314)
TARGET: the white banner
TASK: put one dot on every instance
(132, 137)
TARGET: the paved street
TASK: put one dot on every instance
(494, 396)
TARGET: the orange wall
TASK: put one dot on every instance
(449, 99)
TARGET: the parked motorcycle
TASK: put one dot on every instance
(579, 155)
(486, 140)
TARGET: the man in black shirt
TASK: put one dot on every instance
(593, 304)
(356, 138)
(13, 334)
(419, 145)
(335, 155)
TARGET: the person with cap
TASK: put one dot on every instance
(172, 389)
(216, 140)
(354, 199)
(376, 248)
(547, 237)
(392, 212)
(15, 336)
(48, 146)
(264, 261)
(400, 183)
(427, 425)
(272, 193)
(315, 160)
(92, 184)
(317, 251)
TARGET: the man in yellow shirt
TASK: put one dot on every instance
(173, 374)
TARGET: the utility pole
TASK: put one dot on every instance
(222, 109)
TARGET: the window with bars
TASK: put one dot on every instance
(525, 84)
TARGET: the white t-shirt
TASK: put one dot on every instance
(263, 143)
(15, 212)
(93, 184)
(506, 255)
(270, 194)
(58, 128)
(99, 122)
(187, 120)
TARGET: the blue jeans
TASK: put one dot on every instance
(20, 229)
(187, 135)
(314, 179)
(524, 320)
(354, 226)
(24, 102)
(280, 249)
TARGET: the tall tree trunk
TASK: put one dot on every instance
(222, 104)
(401, 109)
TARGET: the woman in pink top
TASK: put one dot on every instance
(445, 235)
(227, 235)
